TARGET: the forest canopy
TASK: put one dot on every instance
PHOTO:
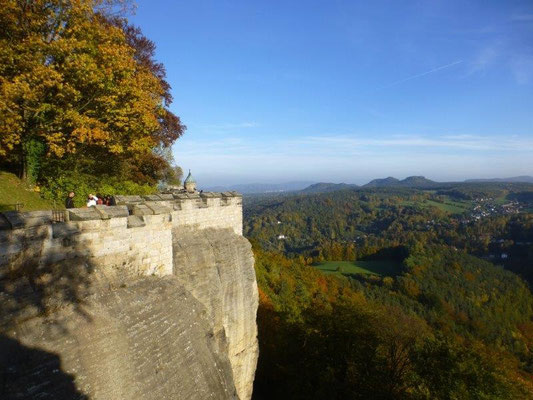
(464, 333)
(394, 293)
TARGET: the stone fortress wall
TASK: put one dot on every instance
(135, 235)
(169, 287)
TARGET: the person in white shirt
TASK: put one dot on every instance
(92, 201)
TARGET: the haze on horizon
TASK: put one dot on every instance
(345, 92)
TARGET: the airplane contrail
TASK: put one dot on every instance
(422, 74)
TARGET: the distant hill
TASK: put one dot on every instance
(324, 187)
(410, 181)
(261, 187)
(519, 179)
(417, 181)
(390, 181)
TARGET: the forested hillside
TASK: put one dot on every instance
(444, 328)
(430, 312)
(354, 224)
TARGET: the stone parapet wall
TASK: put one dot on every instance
(135, 235)
(123, 328)
(209, 212)
(199, 210)
(110, 242)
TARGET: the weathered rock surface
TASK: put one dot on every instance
(78, 329)
(217, 267)
(150, 339)
(108, 305)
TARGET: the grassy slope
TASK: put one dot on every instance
(384, 268)
(449, 206)
(13, 190)
(453, 207)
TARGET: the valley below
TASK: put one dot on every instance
(389, 292)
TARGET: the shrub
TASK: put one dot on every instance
(83, 184)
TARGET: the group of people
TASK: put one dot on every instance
(92, 200)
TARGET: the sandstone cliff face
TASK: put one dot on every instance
(217, 267)
(150, 340)
(79, 331)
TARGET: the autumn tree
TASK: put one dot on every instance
(80, 91)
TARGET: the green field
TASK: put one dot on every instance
(449, 206)
(501, 199)
(382, 268)
(13, 191)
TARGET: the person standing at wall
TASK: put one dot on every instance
(92, 200)
(69, 202)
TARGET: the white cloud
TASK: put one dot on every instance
(522, 68)
(500, 54)
(420, 75)
(485, 58)
(226, 126)
(466, 142)
(522, 17)
(354, 158)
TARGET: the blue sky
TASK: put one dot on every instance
(347, 91)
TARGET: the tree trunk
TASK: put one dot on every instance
(23, 168)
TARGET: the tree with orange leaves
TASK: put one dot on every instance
(79, 87)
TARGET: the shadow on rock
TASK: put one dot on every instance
(33, 288)
(29, 373)
(40, 272)
(38, 290)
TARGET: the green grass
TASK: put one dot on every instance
(501, 199)
(382, 268)
(13, 190)
(449, 206)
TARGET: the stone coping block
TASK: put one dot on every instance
(157, 207)
(166, 196)
(28, 219)
(231, 194)
(121, 199)
(186, 196)
(135, 221)
(141, 209)
(112, 211)
(84, 214)
(210, 195)
(14, 219)
(4, 223)
(151, 197)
